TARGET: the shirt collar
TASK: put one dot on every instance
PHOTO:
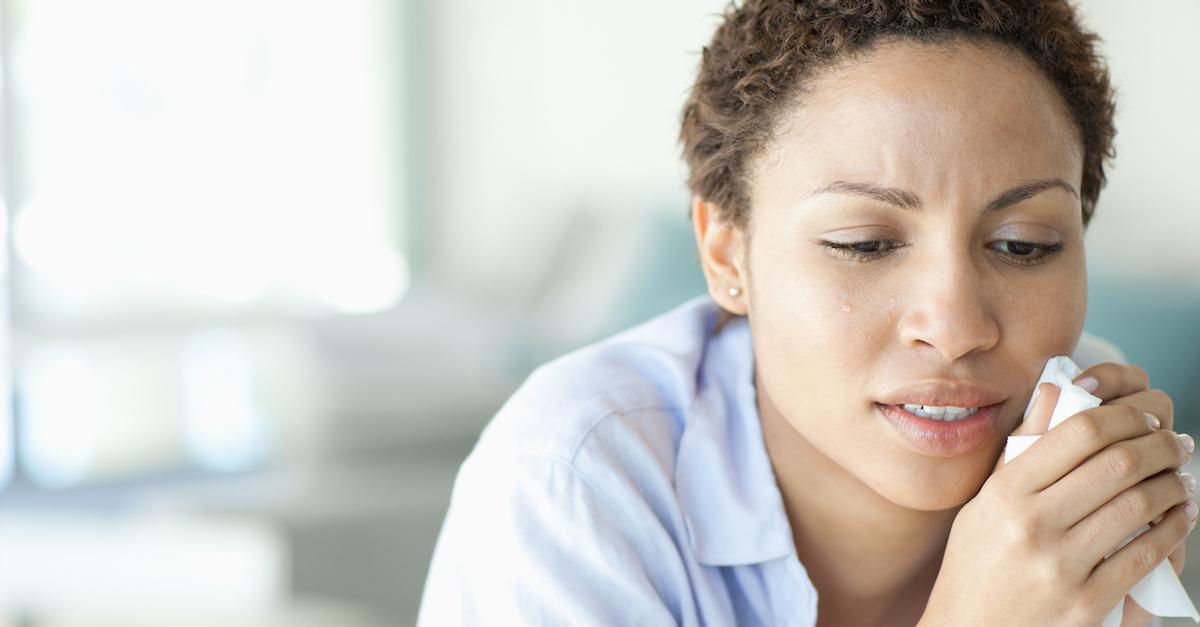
(723, 476)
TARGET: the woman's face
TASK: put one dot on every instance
(953, 169)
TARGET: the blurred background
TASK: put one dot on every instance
(271, 266)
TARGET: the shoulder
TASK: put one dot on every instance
(528, 539)
(1093, 349)
(608, 420)
(569, 493)
(638, 385)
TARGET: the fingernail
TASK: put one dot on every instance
(1186, 442)
(1190, 509)
(1189, 481)
(1152, 421)
(1088, 383)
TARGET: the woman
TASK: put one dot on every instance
(889, 205)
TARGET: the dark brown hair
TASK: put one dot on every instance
(764, 49)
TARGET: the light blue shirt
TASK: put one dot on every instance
(626, 483)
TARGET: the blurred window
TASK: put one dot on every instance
(182, 163)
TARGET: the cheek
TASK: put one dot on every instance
(815, 323)
(1046, 314)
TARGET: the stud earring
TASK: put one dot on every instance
(735, 291)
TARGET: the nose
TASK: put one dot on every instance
(949, 308)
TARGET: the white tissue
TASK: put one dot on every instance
(1160, 592)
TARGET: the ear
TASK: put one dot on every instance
(720, 246)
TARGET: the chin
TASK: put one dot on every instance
(926, 489)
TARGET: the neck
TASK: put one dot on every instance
(871, 560)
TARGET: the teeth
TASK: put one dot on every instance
(948, 412)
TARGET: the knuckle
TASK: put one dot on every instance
(1121, 463)
(1168, 442)
(1022, 531)
(1136, 505)
(1085, 428)
(1134, 414)
(1050, 569)
(1082, 610)
(1145, 556)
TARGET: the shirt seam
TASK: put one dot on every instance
(583, 437)
(704, 350)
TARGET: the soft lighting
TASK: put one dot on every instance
(358, 280)
(165, 566)
(206, 176)
(61, 397)
(7, 457)
(223, 424)
(3, 234)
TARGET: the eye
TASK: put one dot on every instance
(861, 251)
(1025, 253)
(1015, 251)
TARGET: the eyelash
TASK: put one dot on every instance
(848, 251)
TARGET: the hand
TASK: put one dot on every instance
(1104, 374)
(1030, 548)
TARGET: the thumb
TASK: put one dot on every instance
(1038, 420)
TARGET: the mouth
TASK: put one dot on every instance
(947, 413)
(942, 430)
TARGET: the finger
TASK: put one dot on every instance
(1115, 576)
(1074, 440)
(1112, 380)
(1154, 402)
(1038, 420)
(1114, 470)
(1178, 557)
(1134, 614)
(1104, 529)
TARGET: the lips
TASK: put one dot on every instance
(937, 438)
(942, 438)
(958, 393)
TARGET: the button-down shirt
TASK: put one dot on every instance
(627, 483)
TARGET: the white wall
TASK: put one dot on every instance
(543, 108)
(1148, 216)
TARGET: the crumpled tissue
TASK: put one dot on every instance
(1160, 592)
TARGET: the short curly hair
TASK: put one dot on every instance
(764, 49)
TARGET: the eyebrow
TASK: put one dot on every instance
(908, 200)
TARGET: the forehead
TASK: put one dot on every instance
(962, 116)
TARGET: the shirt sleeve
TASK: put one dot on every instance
(532, 541)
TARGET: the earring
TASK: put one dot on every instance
(735, 291)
